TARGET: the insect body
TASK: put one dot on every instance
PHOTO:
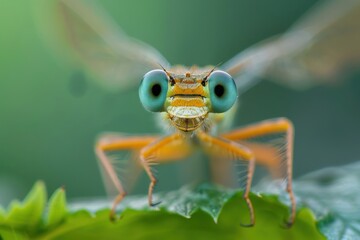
(195, 101)
(192, 103)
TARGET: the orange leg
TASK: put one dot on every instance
(241, 152)
(150, 147)
(111, 143)
(164, 146)
(272, 126)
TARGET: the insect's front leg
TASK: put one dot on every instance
(169, 148)
(272, 126)
(112, 142)
(241, 152)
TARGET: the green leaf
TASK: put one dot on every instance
(188, 200)
(204, 211)
(57, 209)
(28, 214)
(334, 195)
(168, 221)
(11, 234)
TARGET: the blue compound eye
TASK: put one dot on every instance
(153, 90)
(222, 90)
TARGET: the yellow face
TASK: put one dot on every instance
(187, 95)
(187, 100)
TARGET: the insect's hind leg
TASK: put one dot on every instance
(267, 127)
(112, 142)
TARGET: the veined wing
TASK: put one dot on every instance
(95, 42)
(317, 49)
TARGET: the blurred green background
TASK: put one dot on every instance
(51, 113)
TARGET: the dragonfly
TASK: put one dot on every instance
(196, 102)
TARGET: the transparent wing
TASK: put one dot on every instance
(319, 48)
(92, 39)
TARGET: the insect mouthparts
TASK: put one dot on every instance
(187, 95)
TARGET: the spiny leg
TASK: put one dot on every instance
(267, 127)
(241, 152)
(112, 143)
(173, 144)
